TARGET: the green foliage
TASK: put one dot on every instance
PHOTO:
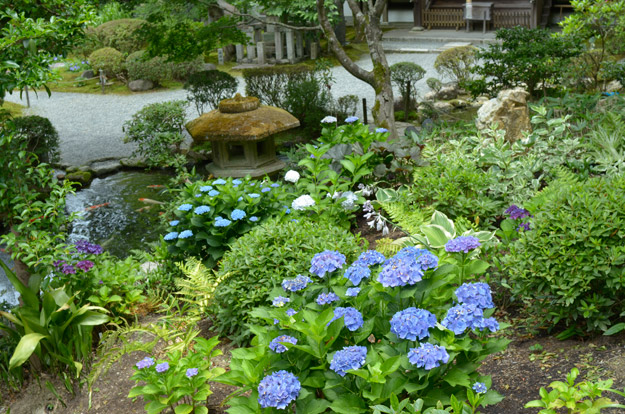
(121, 35)
(108, 59)
(259, 261)
(154, 69)
(199, 284)
(569, 267)
(525, 57)
(157, 130)
(405, 76)
(585, 397)
(207, 88)
(434, 84)
(184, 69)
(270, 84)
(112, 10)
(457, 63)
(174, 388)
(40, 136)
(346, 105)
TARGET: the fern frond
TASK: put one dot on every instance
(199, 285)
(407, 217)
(564, 178)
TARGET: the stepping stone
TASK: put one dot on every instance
(454, 44)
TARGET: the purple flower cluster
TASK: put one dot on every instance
(162, 367)
(145, 363)
(371, 257)
(280, 301)
(325, 298)
(356, 272)
(85, 265)
(477, 294)
(277, 347)
(461, 317)
(290, 312)
(479, 387)
(293, 285)
(412, 323)
(351, 317)
(350, 357)
(462, 244)
(68, 269)
(400, 270)
(428, 356)
(326, 262)
(191, 372)
(516, 212)
(353, 292)
(278, 390)
(524, 225)
(83, 246)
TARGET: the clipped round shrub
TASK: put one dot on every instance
(208, 87)
(405, 76)
(41, 136)
(260, 260)
(183, 70)
(456, 63)
(434, 83)
(110, 60)
(155, 69)
(121, 35)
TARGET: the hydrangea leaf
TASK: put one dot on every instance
(456, 377)
(437, 236)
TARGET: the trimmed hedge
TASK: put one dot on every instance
(110, 60)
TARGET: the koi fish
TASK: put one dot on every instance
(156, 186)
(150, 201)
(96, 206)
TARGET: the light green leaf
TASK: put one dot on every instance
(25, 349)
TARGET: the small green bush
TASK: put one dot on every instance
(405, 76)
(260, 260)
(346, 105)
(155, 69)
(207, 88)
(456, 62)
(269, 84)
(570, 266)
(121, 35)
(434, 84)
(41, 136)
(181, 71)
(110, 60)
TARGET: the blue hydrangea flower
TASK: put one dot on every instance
(428, 356)
(222, 222)
(206, 188)
(350, 357)
(265, 190)
(427, 260)
(185, 207)
(462, 244)
(290, 312)
(479, 387)
(325, 298)
(275, 185)
(280, 301)
(488, 323)
(253, 195)
(237, 214)
(400, 270)
(174, 223)
(185, 234)
(254, 219)
(353, 292)
(162, 367)
(326, 262)
(219, 181)
(412, 323)
(191, 372)
(237, 181)
(477, 294)
(351, 317)
(278, 390)
(371, 257)
(213, 193)
(145, 363)
(517, 212)
(381, 130)
(275, 321)
(351, 119)
(198, 195)
(202, 209)
(525, 226)
(277, 347)
(294, 285)
(356, 272)
(171, 236)
(461, 317)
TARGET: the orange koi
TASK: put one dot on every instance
(96, 206)
(150, 201)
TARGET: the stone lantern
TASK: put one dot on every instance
(242, 133)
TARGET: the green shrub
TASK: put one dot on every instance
(570, 266)
(308, 100)
(121, 35)
(270, 84)
(260, 260)
(346, 105)
(110, 60)
(207, 88)
(41, 136)
(434, 84)
(405, 76)
(456, 63)
(155, 69)
(182, 70)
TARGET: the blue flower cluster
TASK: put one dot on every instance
(174, 223)
(428, 356)
(516, 212)
(254, 219)
(350, 357)
(479, 387)
(237, 214)
(325, 298)
(145, 363)
(206, 188)
(351, 317)
(353, 292)
(351, 119)
(202, 209)
(172, 235)
(326, 262)
(185, 234)
(162, 367)
(221, 222)
(412, 323)
(371, 257)
(280, 301)
(237, 182)
(477, 294)
(356, 272)
(219, 181)
(461, 317)
(213, 193)
(294, 285)
(253, 195)
(290, 312)
(381, 130)
(403, 268)
(278, 390)
(462, 244)
(277, 347)
(185, 207)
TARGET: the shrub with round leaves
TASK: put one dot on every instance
(108, 59)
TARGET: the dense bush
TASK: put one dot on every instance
(207, 88)
(456, 63)
(309, 101)
(569, 266)
(270, 84)
(110, 60)
(121, 35)
(434, 84)
(346, 105)
(182, 70)
(261, 259)
(41, 136)
(155, 69)
(405, 76)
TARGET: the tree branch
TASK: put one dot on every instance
(264, 21)
(356, 12)
(379, 8)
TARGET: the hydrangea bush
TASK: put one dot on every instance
(416, 325)
(210, 215)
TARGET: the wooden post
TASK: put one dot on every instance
(364, 111)
(417, 16)
(279, 47)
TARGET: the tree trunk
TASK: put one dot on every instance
(340, 28)
(21, 270)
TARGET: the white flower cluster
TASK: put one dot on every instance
(291, 176)
(376, 220)
(350, 199)
(302, 202)
(328, 120)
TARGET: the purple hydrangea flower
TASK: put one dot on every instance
(353, 292)
(412, 323)
(351, 119)
(145, 363)
(280, 301)
(278, 390)
(191, 372)
(185, 207)
(162, 367)
(291, 312)
(356, 272)
(277, 347)
(461, 317)
(477, 294)
(185, 234)
(462, 244)
(83, 246)
(68, 269)
(84, 265)
(202, 209)
(516, 212)
(428, 356)
(351, 317)
(171, 236)
(326, 262)
(371, 257)
(350, 357)
(524, 225)
(297, 284)
(401, 269)
(479, 387)
(237, 214)
(325, 298)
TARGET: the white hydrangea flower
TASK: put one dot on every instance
(350, 199)
(328, 120)
(302, 202)
(292, 176)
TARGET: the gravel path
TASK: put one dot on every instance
(90, 125)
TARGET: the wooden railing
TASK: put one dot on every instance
(448, 17)
(512, 18)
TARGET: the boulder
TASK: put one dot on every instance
(430, 96)
(140, 85)
(83, 178)
(508, 111)
(459, 103)
(442, 106)
(613, 86)
(209, 66)
(88, 74)
(447, 93)
(104, 167)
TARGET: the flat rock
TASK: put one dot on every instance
(443, 106)
(88, 74)
(132, 162)
(140, 85)
(100, 168)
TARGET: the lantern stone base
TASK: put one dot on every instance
(260, 171)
